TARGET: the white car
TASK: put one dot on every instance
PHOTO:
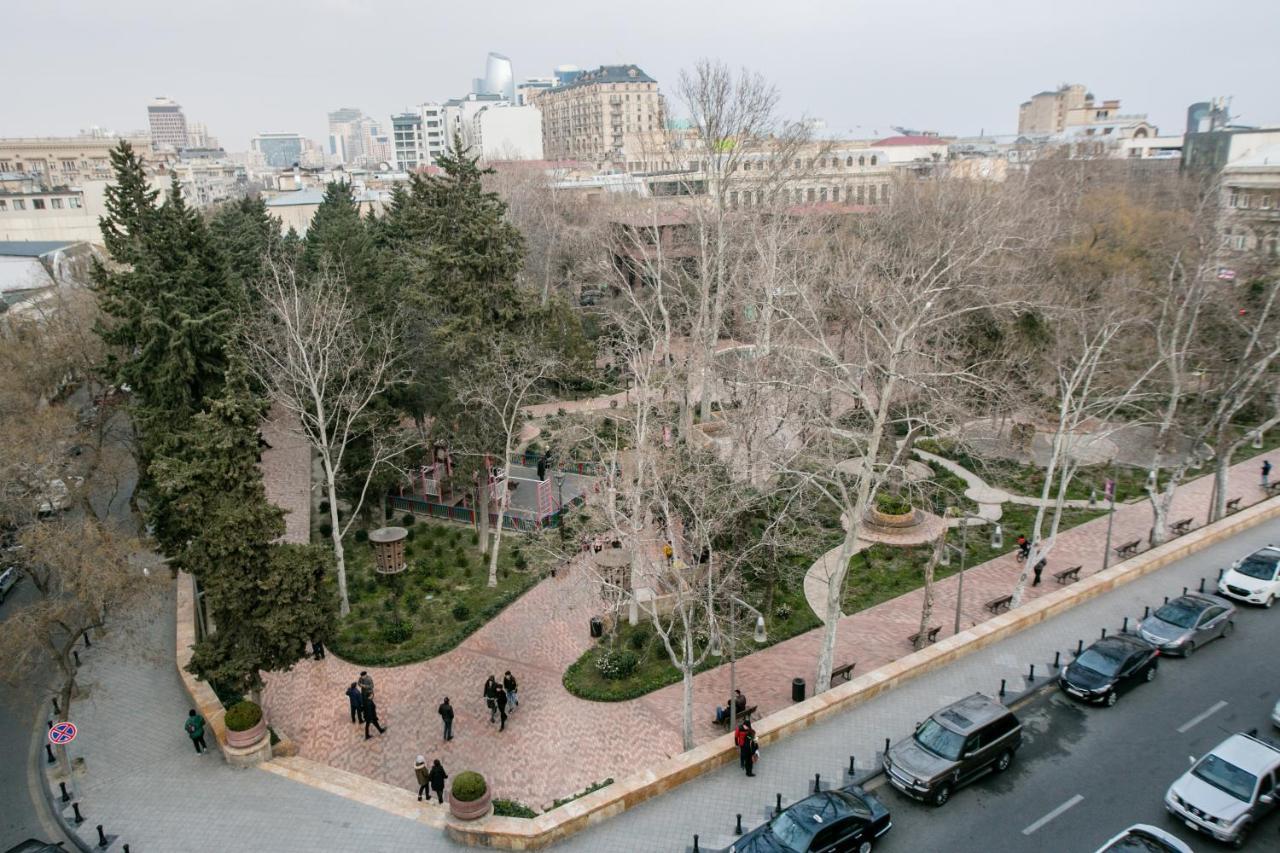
(1142, 838)
(1275, 714)
(1255, 578)
(1229, 790)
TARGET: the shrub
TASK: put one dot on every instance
(362, 535)
(408, 519)
(891, 504)
(512, 808)
(461, 559)
(326, 529)
(396, 632)
(243, 716)
(639, 639)
(461, 611)
(617, 664)
(409, 536)
(475, 538)
(324, 506)
(468, 786)
(783, 611)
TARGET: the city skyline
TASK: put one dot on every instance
(863, 71)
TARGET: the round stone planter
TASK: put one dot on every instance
(884, 519)
(471, 810)
(248, 737)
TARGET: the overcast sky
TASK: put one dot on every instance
(955, 66)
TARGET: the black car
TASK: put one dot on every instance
(32, 845)
(838, 821)
(1108, 668)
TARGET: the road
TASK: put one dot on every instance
(1094, 771)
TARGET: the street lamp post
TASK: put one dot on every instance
(759, 635)
(1111, 515)
(964, 553)
(559, 475)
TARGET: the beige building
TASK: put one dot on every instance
(1072, 110)
(60, 160)
(30, 210)
(295, 209)
(1251, 204)
(168, 124)
(612, 116)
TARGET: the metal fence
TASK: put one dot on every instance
(522, 520)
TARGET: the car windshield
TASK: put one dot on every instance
(1137, 841)
(1226, 777)
(1104, 660)
(1180, 613)
(790, 832)
(939, 740)
(1258, 566)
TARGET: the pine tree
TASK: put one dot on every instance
(245, 233)
(339, 238)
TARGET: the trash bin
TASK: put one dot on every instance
(597, 627)
(797, 690)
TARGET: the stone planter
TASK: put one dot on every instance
(470, 810)
(249, 737)
(884, 519)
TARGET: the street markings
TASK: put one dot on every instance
(1051, 815)
(1197, 720)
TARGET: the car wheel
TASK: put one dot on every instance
(1112, 699)
(1228, 628)
(1241, 838)
(864, 847)
(1151, 673)
(1189, 650)
(941, 795)
(1271, 599)
(1003, 762)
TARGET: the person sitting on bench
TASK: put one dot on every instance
(740, 703)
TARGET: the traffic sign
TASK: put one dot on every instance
(62, 734)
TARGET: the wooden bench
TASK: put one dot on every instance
(1272, 488)
(1000, 602)
(1233, 505)
(1128, 549)
(1067, 575)
(744, 715)
(1181, 526)
(931, 635)
(845, 671)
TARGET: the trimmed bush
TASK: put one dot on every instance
(891, 504)
(396, 632)
(783, 612)
(324, 506)
(512, 808)
(408, 519)
(469, 786)
(638, 639)
(617, 664)
(326, 529)
(362, 535)
(475, 538)
(243, 716)
(461, 612)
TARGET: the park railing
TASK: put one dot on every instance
(523, 520)
(567, 466)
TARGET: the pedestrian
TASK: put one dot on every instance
(668, 552)
(420, 772)
(446, 714)
(371, 718)
(366, 685)
(491, 697)
(317, 648)
(437, 777)
(356, 698)
(500, 699)
(1266, 471)
(753, 753)
(509, 685)
(1024, 548)
(744, 738)
(542, 468)
(195, 730)
(1039, 567)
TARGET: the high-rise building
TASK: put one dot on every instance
(406, 134)
(612, 115)
(344, 137)
(278, 150)
(498, 79)
(168, 124)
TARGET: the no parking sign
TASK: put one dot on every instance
(62, 734)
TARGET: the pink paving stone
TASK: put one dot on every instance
(286, 473)
(556, 744)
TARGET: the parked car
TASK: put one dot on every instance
(1188, 622)
(1226, 792)
(837, 821)
(1142, 838)
(8, 579)
(953, 747)
(1110, 667)
(1275, 714)
(32, 845)
(1254, 578)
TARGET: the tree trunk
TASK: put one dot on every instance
(335, 534)
(926, 609)
(497, 542)
(686, 721)
(482, 511)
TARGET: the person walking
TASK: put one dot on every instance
(509, 685)
(366, 685)
(1038, 568)
(744, 737)
(1024, 548)
(356, 698)
(446, 714)
(437, 777)
(317, 648)
(668, 552)
(500, 699)
(491, 697)
(371, 718)
(420, 772)
(1266, 471)
(195, 730)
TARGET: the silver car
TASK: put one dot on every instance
(1188, 622)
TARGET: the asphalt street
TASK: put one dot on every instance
(1085, 773)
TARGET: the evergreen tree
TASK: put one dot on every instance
(245, 233)
(130, 203)
(339, 238)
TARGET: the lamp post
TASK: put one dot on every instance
(964, 553)
(559, 476)
(759, 636)
(1111, 514)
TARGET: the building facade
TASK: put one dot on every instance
(168, 124)
(278, 150)
(504, 131)
(406, 135)
(1073, 111)
(59, 160)
(612, 116)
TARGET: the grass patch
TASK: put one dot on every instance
(590, 788)
(428, 609)
(512, 808)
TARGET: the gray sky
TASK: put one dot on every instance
(956, 66)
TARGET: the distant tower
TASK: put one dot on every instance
(566, 74)
(498, 79)
(168, 124)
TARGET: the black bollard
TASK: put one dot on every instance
(777, 809)
(695, 842)
(56, 709)
(1079, 647)
(817, 783)
(1124, 629)
(75, 807)
(1166, 599)
(102, 838)
(738, 828)
(1146, 611)
(1104, 633)
(852, 771)
(126, 848)
(75, 654)
(66, 798)
(1002, 687)
(1057, 660)
(1184, 590)
(49, 750)
(886, 746)
(1202, 584)
(87, 644)
(50, 722)
(1031, 676)
(1221, 572)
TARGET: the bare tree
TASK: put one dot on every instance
(326, 365)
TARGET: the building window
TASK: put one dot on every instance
(835, 193)
(884, 193)
(37, 204)
(796, 164)
(810, 195)
(1235, 199)
(56, 203)
(1266, 201)
(1237, 241)
(873, 159)
(1244, 200)
(822, 194)
(73, 202)
(848, 161)
(4, 205)
(19, 204)
(861, 195)
(871, 195)
(733, 199)
(862, 161)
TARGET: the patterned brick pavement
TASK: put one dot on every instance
(556, 744)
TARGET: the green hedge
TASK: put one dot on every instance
(512, 808)
(468, 786)
(243, 716)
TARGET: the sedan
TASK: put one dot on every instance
(1108, 668)
(1141, 838)
(1254, 579)
(1187, 623)
(845, 820)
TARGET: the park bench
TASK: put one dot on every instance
(1272, 488)
(745, 714)
(1067, 575)
(845, 671)
(931, 635)
(1181, 526)
(1000, 602)
(1233, 505)
(1128, 549)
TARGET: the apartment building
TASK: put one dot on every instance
(71, 159)
(613, 116)
(168, 124)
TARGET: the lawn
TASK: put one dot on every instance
(433, 605)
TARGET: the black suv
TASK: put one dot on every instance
(953, 747)
(847, 820)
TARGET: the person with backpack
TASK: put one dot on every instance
(1266, 471)
(195, 730)
(509, 685)
(436, 777)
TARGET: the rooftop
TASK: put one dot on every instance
(31, 248)
(909, 140)
(607, 74)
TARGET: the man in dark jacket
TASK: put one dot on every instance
(509, 685)
(356, 698)
(500, 699)
(745, 738)
(446, 714)
(491, 697)
(436, 777)
(371, 718)
(194, 728)
(366, 684)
